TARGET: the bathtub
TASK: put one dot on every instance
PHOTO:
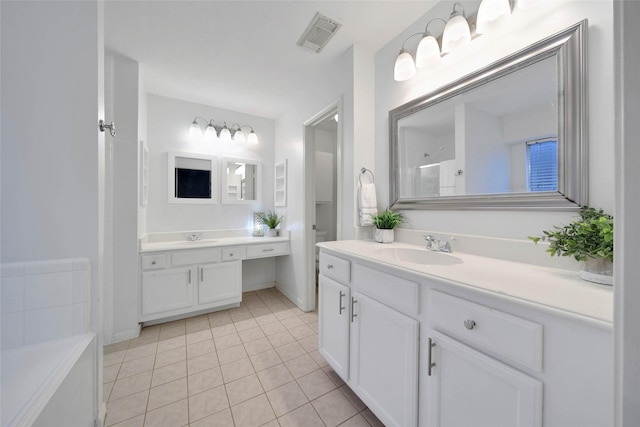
(52, 383)
(49, 361)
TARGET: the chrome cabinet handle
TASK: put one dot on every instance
(202, 274)
(469, 324)
(353, 312)
(430, 363)
(342, 295)
(189, 276)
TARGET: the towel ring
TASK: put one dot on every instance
(362, 172)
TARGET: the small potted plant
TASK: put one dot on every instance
(272, 220)
(588, 239)
(385, 223)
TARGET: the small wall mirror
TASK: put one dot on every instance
(512, 135)
(241, 181)
(192, 178)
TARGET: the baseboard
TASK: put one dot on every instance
(293, 298)
(258, 286)
(123, 335)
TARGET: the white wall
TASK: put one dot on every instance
(122, 183)
(327, 89)
(168, 124)
(523, 29)
(52, 158)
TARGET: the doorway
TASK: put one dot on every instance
(322, 157)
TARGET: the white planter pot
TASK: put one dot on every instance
(384, 236)
(597, 270)
(272, 232)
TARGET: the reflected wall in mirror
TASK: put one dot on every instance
(241, 181)
(512, 135)
(191, 178)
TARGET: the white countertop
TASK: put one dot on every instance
(551, 287)
(170, 245)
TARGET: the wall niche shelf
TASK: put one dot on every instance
(281, 183)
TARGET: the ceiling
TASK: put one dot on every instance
(242, 55)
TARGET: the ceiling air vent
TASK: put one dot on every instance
(318, 33)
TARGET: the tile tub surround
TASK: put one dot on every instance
(254, 365)
(44, 300)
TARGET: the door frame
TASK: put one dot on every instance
(309, 146)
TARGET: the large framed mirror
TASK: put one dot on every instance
(510, 136)
(241, 181)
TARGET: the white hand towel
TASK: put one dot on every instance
(368, 203)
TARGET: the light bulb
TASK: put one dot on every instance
(195, 132)
(253, 138)
(225, 134)
(210, 133)
(457, 33)
(491, 14)
(428, 51)
(239, 136)
(404, 68)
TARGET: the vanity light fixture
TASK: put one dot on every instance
(428, 51)
(491, 14)
(457, 33)
(223, 133)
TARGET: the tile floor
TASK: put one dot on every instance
(254, 365)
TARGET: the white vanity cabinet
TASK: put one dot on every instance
(333, 328)
(166, 290)
(178, 282)
(428, 351)
(467, 387)
(371, 345)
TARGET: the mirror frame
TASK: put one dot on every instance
(224, 161)
(171, 181)
(569, 47)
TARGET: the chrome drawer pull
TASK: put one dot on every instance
(469, 324)
(268, 250)
(430, 363)
(342, 295)
(153, 263)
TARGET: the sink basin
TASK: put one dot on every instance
(418, 256)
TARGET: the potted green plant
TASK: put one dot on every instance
(385, 223)
(272, 220)
(588, 239)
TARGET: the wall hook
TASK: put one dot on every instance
(111, 126)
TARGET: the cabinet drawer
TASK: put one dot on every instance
(391, 290)
(336, 268)
(199, 256)
(509, 337)
(232, 254)
(267, 250)
(151, 262)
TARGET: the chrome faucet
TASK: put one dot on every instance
(430, 242)
(193, 237)
(436, 245)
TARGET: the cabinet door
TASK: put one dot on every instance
(333, 324)
(167, 290)
(384, 361)
(469, 388)
(220, 283)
